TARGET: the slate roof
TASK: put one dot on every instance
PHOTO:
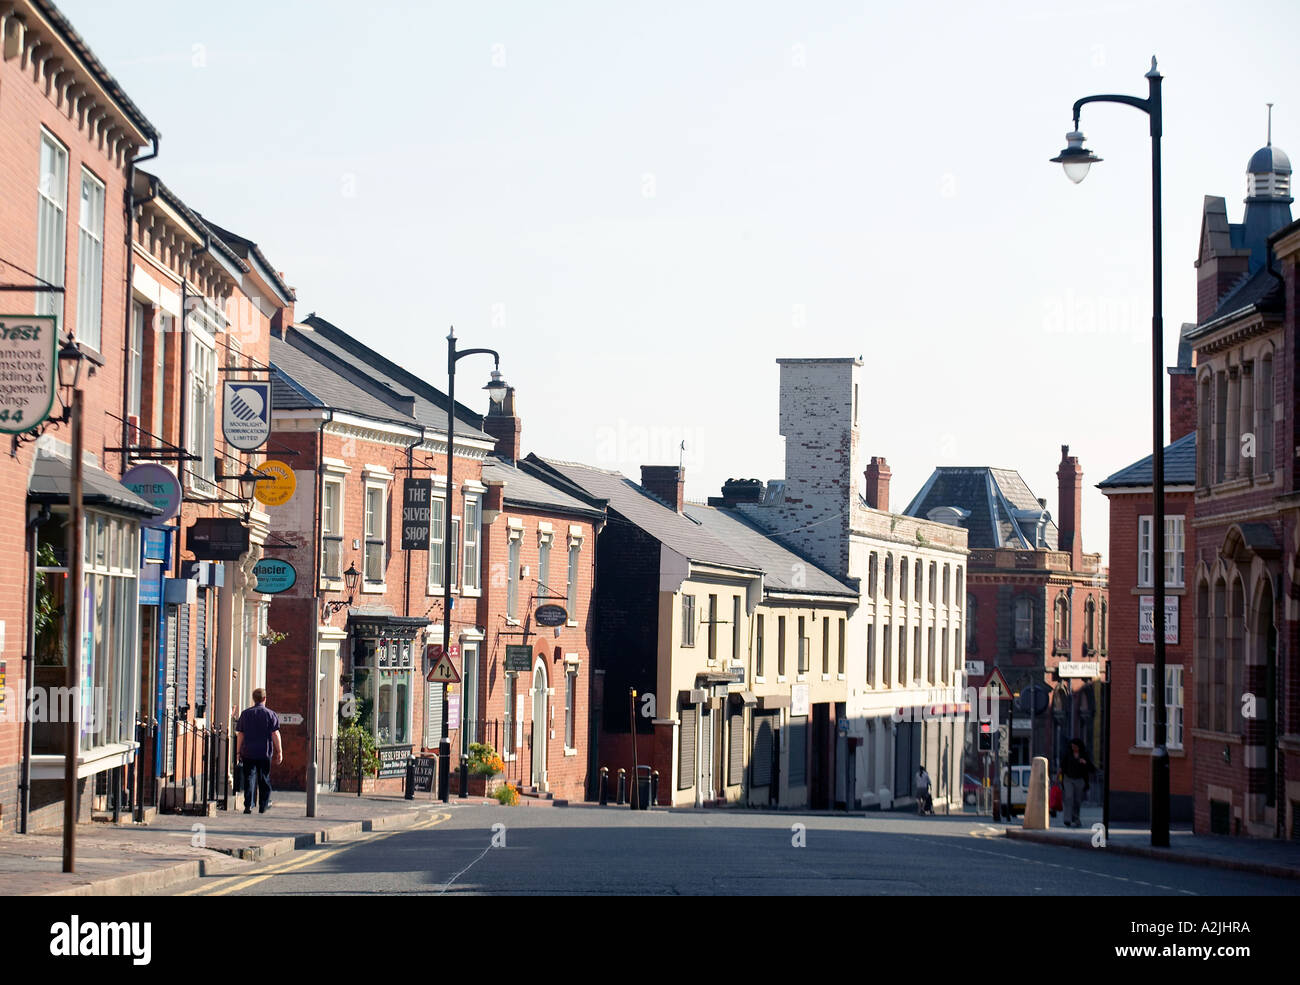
(674, 530)
(527, 490)
(783, 570)
(246, 247)
(1180, 467)
(992, 497)
(1260, 290)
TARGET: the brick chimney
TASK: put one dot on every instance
(1069, 480)
(503, 424)
(1182, 389)
(878, 474)
(668, 482)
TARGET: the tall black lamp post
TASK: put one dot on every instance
(496, 389)
(1077, 160)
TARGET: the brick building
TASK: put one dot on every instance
(357, 427)
(1131, 645)
(1245, 775)
(70, 136)
(1033, 599)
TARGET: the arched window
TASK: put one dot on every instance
(1090, 625)
(1061, 624)
(1201, 656)
(1264, 417)
(889, 576)
(902, 578)
(920, 577)
(871, 574)
(970, 624)
(1218, 719)
(1024, 619)
(1203, 433)
(1105, 619)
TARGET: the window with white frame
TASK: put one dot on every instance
(135, 369)
(1146, 705)
(571, 594)
(508, 732)
(688, 620)
(1174, 550)
(437, 542)
(51, 222)
(471, 556)
(90, 261)
(544, 539)
(375, 529)
(735, 629)
(570, 711)
(331, 529)
(110, 661)
(202, 438)
(1024, 623)
(513, 545)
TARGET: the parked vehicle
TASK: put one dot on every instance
(970, 790)
(1015, 790)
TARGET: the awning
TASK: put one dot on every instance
(745, 698)
(51, 483)
(766, 701)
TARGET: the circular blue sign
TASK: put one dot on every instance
(274, 576)
(156, 485)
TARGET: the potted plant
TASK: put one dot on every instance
(484, 765)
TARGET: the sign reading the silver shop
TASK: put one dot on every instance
(415, 514)
(1146, 609)
(28, 350)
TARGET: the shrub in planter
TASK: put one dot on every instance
(484, 761)
(507, 795)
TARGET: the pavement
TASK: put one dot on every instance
(176, 851)
(1280, 859)
(129, 859)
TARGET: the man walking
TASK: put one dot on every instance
(1076, 768)
(257, 742)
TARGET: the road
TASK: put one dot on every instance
(592, 850)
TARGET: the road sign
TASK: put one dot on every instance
(443, 671)
(1078, 668)
(290, 718)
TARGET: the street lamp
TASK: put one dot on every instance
(496, 388)
(1077, 160)
(71, 359)
(350, 579)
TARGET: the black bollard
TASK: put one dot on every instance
(622, 786)
(360, 750)
(604, 786)
(464, 776)
(410, 777)
(654, 788)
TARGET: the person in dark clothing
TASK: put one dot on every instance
(1076, 767)
(257, 740)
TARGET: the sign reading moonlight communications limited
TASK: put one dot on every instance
(246, 413)
(29, 346)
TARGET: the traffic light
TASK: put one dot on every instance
(986, 737)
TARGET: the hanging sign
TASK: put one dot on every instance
(279, 489)
(156, 485)
(246, 413)
(29, 346)
(519, 658)
(551, 615)
(1146, 609)
(415, 514)
(274, 576)
(217, 539)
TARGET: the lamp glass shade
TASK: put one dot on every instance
(70, 359)
(351, 577)
(1077, 170)
(496, 388)
(247, 485)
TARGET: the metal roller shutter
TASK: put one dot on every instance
(201, 650)
(797, 731)
(760, 760)
(686, 750)
(736, 747)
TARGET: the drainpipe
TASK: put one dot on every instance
(313, 668)
(130, 273)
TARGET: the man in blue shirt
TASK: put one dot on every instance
(257, 739)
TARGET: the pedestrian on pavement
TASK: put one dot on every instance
(1076, 768)
(924, 804)
(257, 743)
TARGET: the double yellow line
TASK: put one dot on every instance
(233, 884)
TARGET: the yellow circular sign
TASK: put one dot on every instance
(278, 490)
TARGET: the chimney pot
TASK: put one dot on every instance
(877, 493)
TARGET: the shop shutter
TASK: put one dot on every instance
(433, 714)
(736, 747)
(705, 753)
(182, 656)
(797, 731)
(760, 759)
(168, 710)
(686, 748)
(201, 650)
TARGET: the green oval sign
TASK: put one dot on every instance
(274, 576)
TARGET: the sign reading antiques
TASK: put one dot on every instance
(274, 576)
(156, 485)
(246, 413)
(551, 615)
(519, 658)
(415, 514)
(1146, 609)
(278, 490)
(217, 539)
(29, 346)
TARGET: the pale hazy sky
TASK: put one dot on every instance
(644, 206)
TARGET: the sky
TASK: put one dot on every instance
(644, 207)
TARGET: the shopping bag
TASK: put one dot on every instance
(1056, 798)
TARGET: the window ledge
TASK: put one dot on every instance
(471, 593)
(1175, 752)
(374, 588)
(827, 677)
(781, 678)
(760, 679)
(839, 677)
(574, 622)
(570, 752)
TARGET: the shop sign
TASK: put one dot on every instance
(798, 700)
(246, 413)
(278, 489)
(156, 485)
(217, 539)
(416, 494)
(551, 615)
(519, 658)
(425, 768)
(392, 760)
(453, 712)
(274, 576)
(1146, 609)
(28, 351)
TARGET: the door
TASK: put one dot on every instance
(706, 753)
(540, 723)
(327, 715)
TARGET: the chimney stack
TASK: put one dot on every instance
(503, 424)
(1182, 389)
(668, 482)
(1069, 479)
(877, 494)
